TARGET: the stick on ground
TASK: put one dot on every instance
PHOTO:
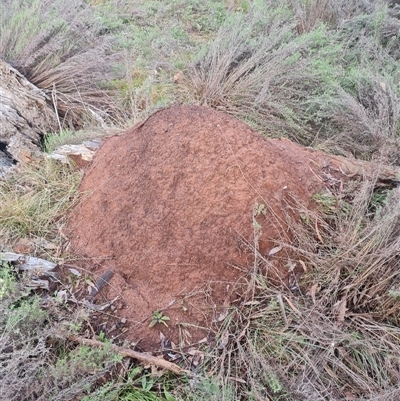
(140, 356)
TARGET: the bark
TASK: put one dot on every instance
(25, 115)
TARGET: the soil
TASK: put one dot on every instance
(169, 207)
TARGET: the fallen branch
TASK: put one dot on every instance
(140, 356)
(354, 167)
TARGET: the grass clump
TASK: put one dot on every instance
(138, 385)
(64, 51)
(53, 140)
(33, 201)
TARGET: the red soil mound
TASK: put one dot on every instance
(168, 205)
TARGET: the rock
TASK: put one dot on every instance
(28, 263)
(24, 246)
(172, 205)
(37, 268)
(179, 78)
(24, 117)
(81, 155)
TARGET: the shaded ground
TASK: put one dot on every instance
(169, 206)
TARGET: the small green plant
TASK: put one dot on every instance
(327, 201)
(75, 327)
(158, 317)
(210, 388)
(379, 199)
(7, 281)
(25, 316)
(273, 382)
(395, 293)
(259, 208)
(102, 337)
(53, 140)
(138, 385)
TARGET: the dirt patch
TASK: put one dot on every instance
(168, 207)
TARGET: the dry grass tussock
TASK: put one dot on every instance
(331, 12)
(247, 67)
(34, 201)
(64, 49)
(367, 121)
(335, 335)
(364, 113)
(331, 84)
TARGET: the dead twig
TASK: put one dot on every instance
(140, 356)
